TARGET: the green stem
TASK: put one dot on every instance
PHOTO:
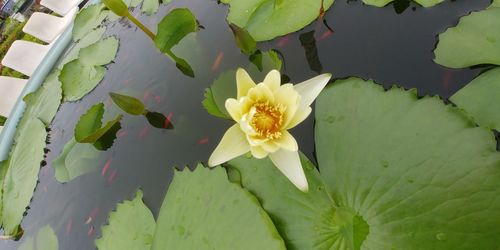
(141, 26)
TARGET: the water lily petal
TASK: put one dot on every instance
(273, 79)
(232, 145)
(300, 116)
(288, 162)
(270, 146)
(258, 152)
(311, 88)
(289, 97)
(261, 93)
(243, 82)
(287, 141)
(233, 107)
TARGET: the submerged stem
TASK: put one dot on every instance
(140, 25)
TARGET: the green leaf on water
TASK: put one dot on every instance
(3, 119)
(150, 6)
(22, 174)
(158, 120)
(79, 79)
(131, 226)
(88, 129)
(128, 104)
(203, 210)
(419, 172)
(82, 75)
(244, 40)
(171, 30)
(382, 3)
(224, 86)
(474, 41)
(45, 239)
(44, 102)
(75, 160)
(87, 20)
(99, 53)
(89, 39)
(265, 20)
(481, 99)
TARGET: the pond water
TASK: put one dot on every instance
(368, 42)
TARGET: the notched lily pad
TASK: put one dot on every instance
(87, 20)
(88, 129)
(131, 226)
(474, 41)
(203, 210)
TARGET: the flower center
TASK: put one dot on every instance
(267, 120)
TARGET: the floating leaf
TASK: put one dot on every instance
(171, 30)
(481, 99)
(75, 160)
(417, 171)
(244, 40)
(100, 53)
(79, 79)
(382, 3)
(128, 104)
(265, 20)
(22, 174)
(3, 119)
(203, 210)
(88, 129)
(82, 75)
(150, 6)
(87, 20)
(45, 239)
(44, 102)
(131, 226)
(89, 39)
(225, 85)
(474, 41)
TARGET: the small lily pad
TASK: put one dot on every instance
(44, 102)
(89, 39)
(150, 6)
(474, 41)
(267, 19)
(99, 53)
(45, 239)
(131, 226)
(87, 20)
(79, 79)
(88, 129)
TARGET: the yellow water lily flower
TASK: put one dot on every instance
(264, 113)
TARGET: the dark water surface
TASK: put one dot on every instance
(368, 42)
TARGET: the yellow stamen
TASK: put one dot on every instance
(268, 120)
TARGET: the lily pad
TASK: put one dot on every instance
(89, 39)
(131, 226)
(22, 174)
(82, 75)
(79, 79)
(396, 172)
(100, 53)
(203, 210)
(474, 41)
(481, 99)
(75, 160)
(44, 102)
(267, 19)
(45, 239)
(88, 19)
(416, 170)
(224, 86)
(382, 3)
